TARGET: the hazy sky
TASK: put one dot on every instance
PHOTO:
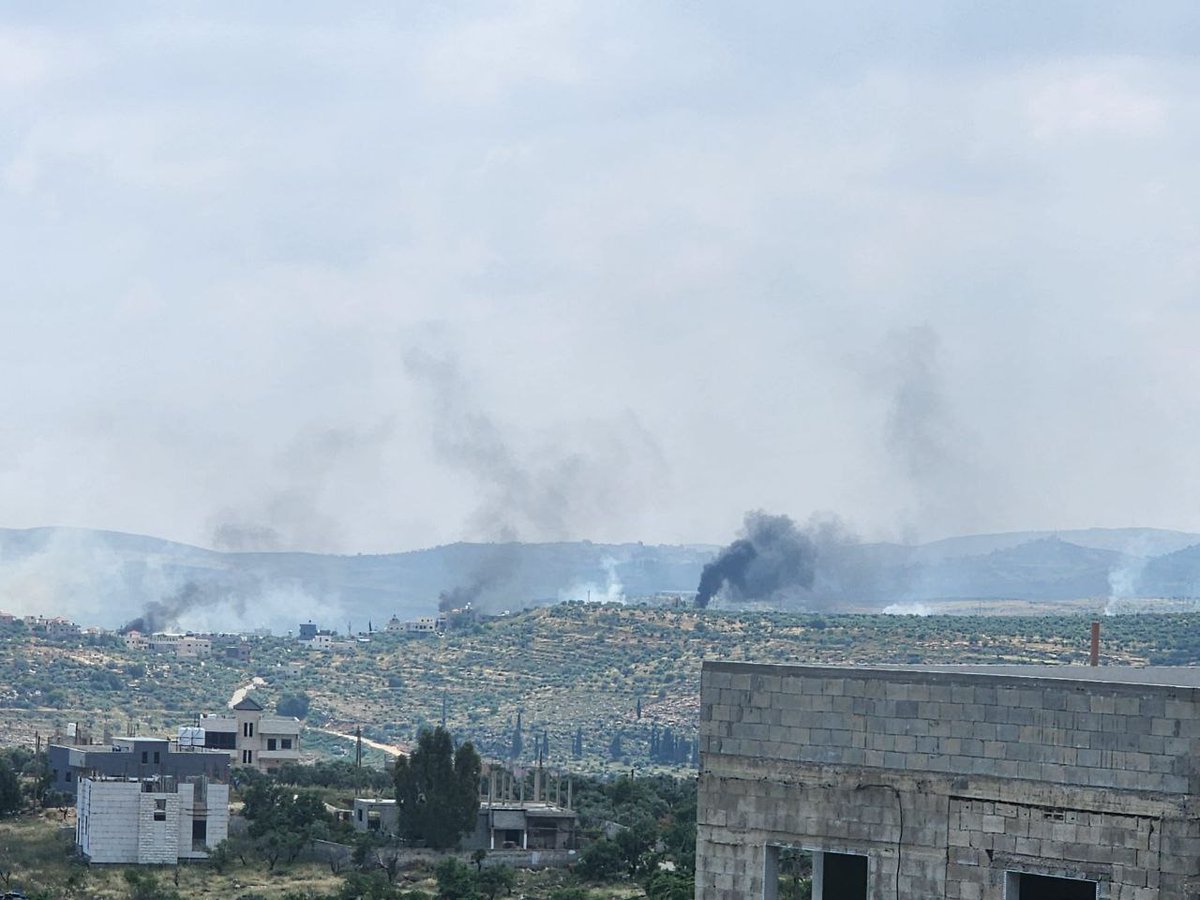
(366, 277)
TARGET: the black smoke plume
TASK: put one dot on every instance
(158, 615)
(528, 492)
(774, 557)
(495, 570)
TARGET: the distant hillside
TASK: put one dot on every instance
(108, 578)
(1046, 568)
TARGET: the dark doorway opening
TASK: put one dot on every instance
(1043, 887)
(845, 877)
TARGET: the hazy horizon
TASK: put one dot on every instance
(370, 278)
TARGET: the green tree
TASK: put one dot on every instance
(282, 822)
(455, 880)
(518, 742)
(367, 886)
(145, 886)
(437, 790)
(495, 880)
(670, 886)
(10, 789)
(615, 750)
(294, 705)
(220, 857)
(601, 861)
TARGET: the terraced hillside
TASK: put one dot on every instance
(566, 669)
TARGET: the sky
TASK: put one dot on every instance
(365, 277)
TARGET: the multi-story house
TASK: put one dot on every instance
(253, 737)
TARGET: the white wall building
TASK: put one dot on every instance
(322, 640)
(158, 821)
(252, 737)
(184, 646)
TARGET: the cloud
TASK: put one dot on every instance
(666, 243)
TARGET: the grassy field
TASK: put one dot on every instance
(36, 856)
(563, 668)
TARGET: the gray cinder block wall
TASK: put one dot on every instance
(950, 779)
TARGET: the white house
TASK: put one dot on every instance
(155, 821)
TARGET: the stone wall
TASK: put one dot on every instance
(948, 780)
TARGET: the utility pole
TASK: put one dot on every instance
(357, 758)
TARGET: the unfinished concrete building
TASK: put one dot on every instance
(157, 821)
(972, 783)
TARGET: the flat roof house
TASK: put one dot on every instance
(132, 758)
(971, 782)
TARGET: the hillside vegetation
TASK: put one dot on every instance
(576, 673)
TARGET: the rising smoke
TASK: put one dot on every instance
(773, 558)
(497, 568)
(160, 615)
(926, 440)
(537, 493)
(290, 511)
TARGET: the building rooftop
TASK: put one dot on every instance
(1161, 676)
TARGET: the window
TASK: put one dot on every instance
(1023, 886)
(833, 876)
(270, 743)
(220, 740)
(285, 743)
(160, 810)
(145, 756)
(247, 756)
(199, 833)
(156, 756)
(68, 776)
(247, 729)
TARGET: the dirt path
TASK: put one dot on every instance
(240, 694)
(390, 749)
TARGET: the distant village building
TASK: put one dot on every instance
(322, 640)
(181, 646)
(375, 815)
(509, 825)
(239, 652)
(313, 638)
(132, 758)
(506, 820)
(252, 737)
(522, 826)
(135, 640)
(423, 625)
(53, 626)
(153, 821)
(394, 625)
